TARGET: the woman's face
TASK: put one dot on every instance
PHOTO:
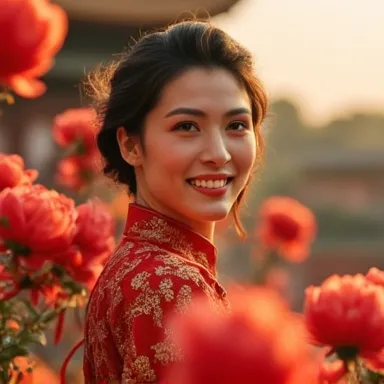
(200, 148)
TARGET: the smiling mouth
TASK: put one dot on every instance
(210, 184)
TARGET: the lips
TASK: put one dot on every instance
(209, 183)
(210, 187)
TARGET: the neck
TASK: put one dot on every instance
(205, 229)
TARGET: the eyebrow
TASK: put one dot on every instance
(199, 112)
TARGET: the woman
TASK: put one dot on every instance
(181, 129)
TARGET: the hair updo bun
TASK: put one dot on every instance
(126, 90)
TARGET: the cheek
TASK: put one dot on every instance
(244, 155)
(168, 160)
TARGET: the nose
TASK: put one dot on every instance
(215, 151)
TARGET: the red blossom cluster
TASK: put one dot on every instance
(42, 226)
(284, 234)
(346, 315)
(94, 241)
(259, 341)
(262, 341)
(51, 244)
(52, 249)
(33, 32)
(37, 225)
(13, 173)
(287, 227)
(75, 130)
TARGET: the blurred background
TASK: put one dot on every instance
(322, 63)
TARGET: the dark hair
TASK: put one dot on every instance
(128, 89)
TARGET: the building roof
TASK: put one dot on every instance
(143, 12)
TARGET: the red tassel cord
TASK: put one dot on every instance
(63, 369)
(59, 327)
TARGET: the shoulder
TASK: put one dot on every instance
(142, 272)
(141, 261)
(162, 270)
(163, 284)
(143, 255)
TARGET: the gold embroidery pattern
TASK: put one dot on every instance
(140, 280)
(97, 331)
(166, 289)
(177, 267)
(148, 302)
(158, 230)
(141, 284)
(167, 351)
(143, 370)
(183, 299)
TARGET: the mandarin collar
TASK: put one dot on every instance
(143, 223)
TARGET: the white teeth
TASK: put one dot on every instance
(212, 184)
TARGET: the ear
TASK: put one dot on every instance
(129, 148)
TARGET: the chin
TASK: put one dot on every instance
(211, 213)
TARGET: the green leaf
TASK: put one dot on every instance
(48, 316)
(73, 287)
(17, 249)
(37, 337)
(58, 270)
(26, 282)
(6, 307)
(79, 148)
(4, 221)
(374, 377)
(13, 351)
(4, 375)
(30, 308)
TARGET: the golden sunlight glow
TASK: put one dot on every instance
(327, 55)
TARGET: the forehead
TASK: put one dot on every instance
(205, 89)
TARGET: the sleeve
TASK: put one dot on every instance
(151, 295)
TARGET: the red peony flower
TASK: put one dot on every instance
(35, 30)
(87, 275)
(12, 172)
(75, 173)
(42, 372)
(51, 292)
(286, 226)
(77, 126)
(37, 224)
(260, 341)
(375, 361)
(94, 239)
(76, 130)
(375, 276)
(347, 314)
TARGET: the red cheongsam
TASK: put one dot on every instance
(155, 272)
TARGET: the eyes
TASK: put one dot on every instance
(186, 127)
(189, 126)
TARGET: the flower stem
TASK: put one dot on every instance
(354, 375)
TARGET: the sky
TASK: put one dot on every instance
(325, 55)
